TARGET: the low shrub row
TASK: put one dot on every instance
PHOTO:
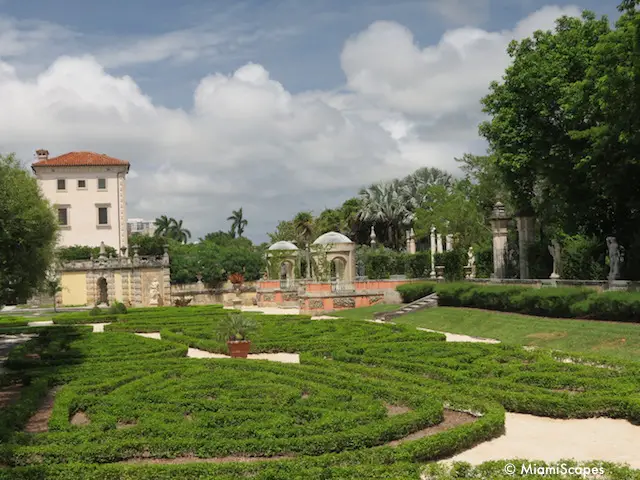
(134, 314)
(562, 302)
(410, 292)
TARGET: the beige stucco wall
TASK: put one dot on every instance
(82, 214)
(118, 286)
(74, 288)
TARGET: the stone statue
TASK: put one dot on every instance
(471, 258)
(360, 271)
(154, 292)
(554, 250)
(615, 258)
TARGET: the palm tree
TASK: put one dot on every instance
(303, 223)
(238, 223)
(163, 226)
(386, 203)
(178, 232)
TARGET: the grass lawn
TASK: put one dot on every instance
(619, 340)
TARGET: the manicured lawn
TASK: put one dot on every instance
(364, 313)
(618, 340)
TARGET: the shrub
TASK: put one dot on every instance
(81, 252)
(410, 292)
(182, 302)
(454, 262)
(549, 302)
(117, 308)
(582, 258)
(236, 278)
(95, 311)
(563, 302)
(419, 265)
(484, 260)
(619, 306)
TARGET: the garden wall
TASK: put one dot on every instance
(322, 297)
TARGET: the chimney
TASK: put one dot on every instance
(42, 154)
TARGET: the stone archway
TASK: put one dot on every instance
(338, 266)
(103, 291)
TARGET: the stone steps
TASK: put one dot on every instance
(429, 301)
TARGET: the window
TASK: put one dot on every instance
(82, 184)
(62, 184)
(103, 215)
(102, 184)
(63, 216)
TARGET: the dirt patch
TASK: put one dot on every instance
(188, 417)
(194, 459)
(127, 424)
(305, 395)
(393, 410)
(80, 419)
(569, 391)
(39, 422)
(451, 420)
(9, 394)
(547, 335)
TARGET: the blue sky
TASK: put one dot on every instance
(342, 69)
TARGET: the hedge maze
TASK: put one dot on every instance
(367, 400)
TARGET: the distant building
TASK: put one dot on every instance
(141, 226)
(88, 191)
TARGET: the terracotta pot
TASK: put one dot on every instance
(239, 348)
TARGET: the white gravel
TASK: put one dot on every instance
(552, 440)
(454, 337)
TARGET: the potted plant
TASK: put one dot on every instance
(236, 279)
(236, 329)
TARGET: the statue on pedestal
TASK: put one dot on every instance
(554, 250)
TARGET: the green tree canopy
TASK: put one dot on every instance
(565, 125)
(28, 230)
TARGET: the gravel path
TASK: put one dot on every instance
(551, 440)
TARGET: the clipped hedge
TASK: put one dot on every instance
(410, 292)
(561, 302)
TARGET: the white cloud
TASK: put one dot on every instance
(248, 141)
(385, 65)
(19, 37)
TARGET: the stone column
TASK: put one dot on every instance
(166, 286)
(111, 286)
(499, 224)
(412, 242)
(449, 242)
(432, 274)
(439, 242)
(137, 288)
(91, 288)
(526, 235)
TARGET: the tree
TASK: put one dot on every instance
(453, 211)
(286, 231)
(52, 287)
(329, 220)
(303, 223)
(178, 232)
(565, 125)
(386, 204)
(163, 226)
(28, 230)
(238, 223)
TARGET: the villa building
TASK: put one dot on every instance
(88, 191)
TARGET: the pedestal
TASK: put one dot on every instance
(440, 272)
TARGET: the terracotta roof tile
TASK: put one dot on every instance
(81, 159)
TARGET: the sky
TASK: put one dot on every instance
(276, 106)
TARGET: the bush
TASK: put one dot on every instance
(619, 306)
(562, 302)
(117, 308)
(454, 262)
(410, 292)
(419, 265)
(95, 311)
(182, 302)
(549, 302)
(82, 252)
(582, 258)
